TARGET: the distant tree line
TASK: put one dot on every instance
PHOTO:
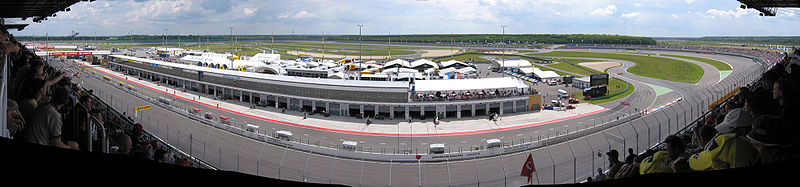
(426, 38)
(508, 38)
(784, 40)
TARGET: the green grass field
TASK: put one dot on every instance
(716, 63)
(614, 86)
(647, 66)
(570, 68)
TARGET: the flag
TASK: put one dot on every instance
(528, 168)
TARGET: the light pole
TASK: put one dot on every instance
(234, 46)
(359, 51)
(503, 49)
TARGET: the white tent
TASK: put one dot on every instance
(452, 62)
(400, 62)
(421, 62)
(508, 64)
(402, 70)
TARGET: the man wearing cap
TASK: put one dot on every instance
(46, 124)
(730, 148)
(771, 136)
(613, 162)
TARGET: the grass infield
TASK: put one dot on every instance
(716, 63)
(647, 66)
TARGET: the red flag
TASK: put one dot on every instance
(528, 168)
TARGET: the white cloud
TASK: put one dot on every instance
(638, 5)
(674, 16)
(249, 11)
(719, 13)
(610, 9)
(303, 14)
(688, 1)
(630, 15)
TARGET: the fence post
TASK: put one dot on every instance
(574, 163)
(636, 133)
(669, 122)
(591, 150)
(306, 167)
(648, 130)
(624, 143)
(554, 164)
(390, 172)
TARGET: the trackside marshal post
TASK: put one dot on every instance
(137, 109)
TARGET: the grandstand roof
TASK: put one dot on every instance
(469, 84)
(767, 7)
(269, 77)
(33, 8)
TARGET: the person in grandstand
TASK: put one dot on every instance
(730, 148)
(46, 124)
(771, 136)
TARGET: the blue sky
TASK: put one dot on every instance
(684, 18)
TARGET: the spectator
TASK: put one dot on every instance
(34, 92)
(613, 162)
(123, 142)
(757, 105)
(730, 148)
(46, 124)
(780, 92)
(737, 121)
(631, 156)
(160, 156)
(600, 176)
(704, 135)
(660, 162)
(15, 120)
(771, 136)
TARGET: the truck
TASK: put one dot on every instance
(437, 148)
(493, 143)
(283, 135)
(349, 145)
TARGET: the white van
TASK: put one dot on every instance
(437, 148)
(251, 128)
(349, 145)
(164, 100)
(493, 143)
(552, 83)
(562, 93)
(284, 135)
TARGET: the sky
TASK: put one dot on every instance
(651, 18)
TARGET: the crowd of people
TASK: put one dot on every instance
(754, 127)
(468, 95)
(45, 107)
(767, 56)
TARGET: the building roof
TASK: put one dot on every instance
(279, 78)
(513, 63)
(420, 62)
(468, 84)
